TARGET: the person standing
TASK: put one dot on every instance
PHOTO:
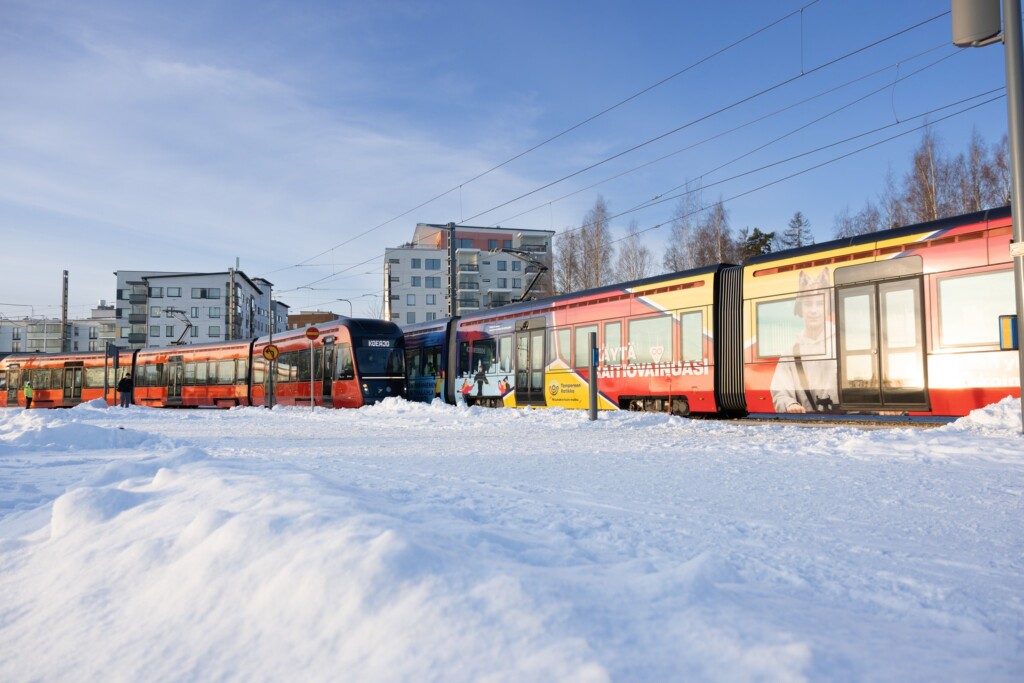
(124, 388)
(28, 395)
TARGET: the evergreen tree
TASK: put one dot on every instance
(797, 233)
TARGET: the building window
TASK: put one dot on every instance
(417, 281)
(154, 311)
(195, 311)
(502, 283)
(156, 292)
(206, 292)
(174, 291)
(507, 244)
(431, 299)
(433, 264)
(410, 299)
(517, 283)
(431, 316)
(492, 245)
(410, 317)
(122, 295)
(394, 260)
(125, 331)
(502, 265)
(94, 333)
(433, 283)
(195, 331)
(517, 265)
(214, 331)
(417, 263)
(214, 311)
(169, 330)
(154, 330)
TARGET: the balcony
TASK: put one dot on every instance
(134, 298)
(137, 338)
(469, 268)
(136, 318)
(469, 285)
(465, 303)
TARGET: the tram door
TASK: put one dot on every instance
(325, 371)
(72, 384)
(881, 346)
(175, 378)
(530, 362)
(13, 384)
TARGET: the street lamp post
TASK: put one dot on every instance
(349, 306)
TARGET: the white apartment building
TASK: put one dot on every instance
(43, 335)
(164, 308)
(494, 267)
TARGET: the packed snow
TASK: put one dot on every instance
(413, 542)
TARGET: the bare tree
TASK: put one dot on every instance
(568, 275)
(712, 241)
(893, 212)
(596, 246)
(634, 258)
(1001, 180)
(930, 186)
(679, 250)
(867, 220)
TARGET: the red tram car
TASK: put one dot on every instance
(350, 363)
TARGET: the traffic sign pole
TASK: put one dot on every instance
(312, 333)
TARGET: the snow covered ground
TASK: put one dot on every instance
(407, 542)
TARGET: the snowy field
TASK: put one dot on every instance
(407, 542)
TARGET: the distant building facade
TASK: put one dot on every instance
(493, 267)
(43, 335)
(156, 308)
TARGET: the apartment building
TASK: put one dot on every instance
(43, 335)
(493, 267)
(164, 308)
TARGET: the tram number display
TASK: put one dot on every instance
(379, 343)
(271, 352)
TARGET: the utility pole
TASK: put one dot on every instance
(231, 304)
(976, 24)
(452, 273)
(65, 341)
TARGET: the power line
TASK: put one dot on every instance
(574, 127)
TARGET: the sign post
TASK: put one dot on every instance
(311, 333)
(270, 352)
(593, 376)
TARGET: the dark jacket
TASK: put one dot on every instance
(125, 385)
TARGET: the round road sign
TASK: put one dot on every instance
(270, 352)
(312, 333)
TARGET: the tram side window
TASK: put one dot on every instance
(41, 379)
(302, 361)
(559, 345)
(413, 363)
(152, 375)
(93, 378)
(970, 306)
(464, 357)
(583, 345)
(613, 349)
(692, 330)
(225, 372)
(287, 370)
(243, 366)
(259, 371)
(201, 372)
(345, 368)
(3, 380)
(650, 340)
(779, 326)
(505, 353)
(432, 360)
(190, 373)
(484, 355)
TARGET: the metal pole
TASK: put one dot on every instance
(312, 396)
(1015, 107)
(452, 273)
(593, 376)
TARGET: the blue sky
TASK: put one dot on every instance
(299, 137)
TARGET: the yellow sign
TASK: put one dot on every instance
(270, 352)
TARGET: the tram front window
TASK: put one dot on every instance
(381, 362)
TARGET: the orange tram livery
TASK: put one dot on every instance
(350, 363)
(899, 322)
